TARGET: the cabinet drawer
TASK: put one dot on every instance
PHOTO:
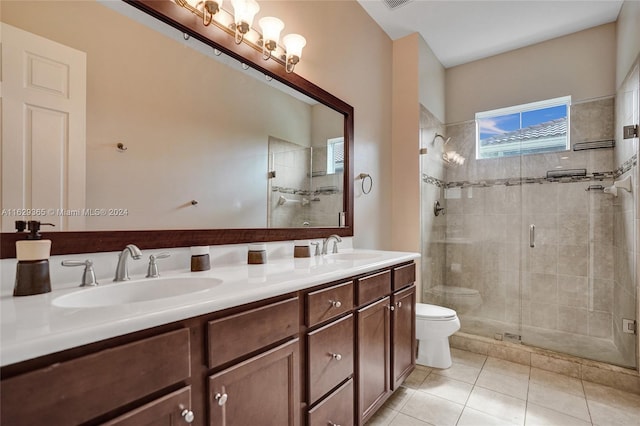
(329, 303)
(236, 335)
(76, 391)
(166, 410)
(330, 356)
(373, 287)
(336, 409)
(403, 276)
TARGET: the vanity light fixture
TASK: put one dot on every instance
(243, 13)
(293, 44)
(239, 24)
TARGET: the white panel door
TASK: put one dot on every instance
(43, 130)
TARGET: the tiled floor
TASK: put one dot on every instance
(479, 390)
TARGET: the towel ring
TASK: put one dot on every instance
(364, 177)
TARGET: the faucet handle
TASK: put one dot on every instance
(317, 250)
(88, 276)
(152, 270)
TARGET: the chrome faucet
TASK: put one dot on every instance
(325, 243)
(122, 274)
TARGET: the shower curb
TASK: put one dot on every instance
(621, 378)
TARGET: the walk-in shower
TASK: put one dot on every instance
(531, 248)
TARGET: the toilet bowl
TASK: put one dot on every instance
(434, 325)
(461, 299)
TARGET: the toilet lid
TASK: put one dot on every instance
(434, 312)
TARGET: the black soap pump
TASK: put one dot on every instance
(32, 271)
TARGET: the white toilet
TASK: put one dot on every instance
(434, 325)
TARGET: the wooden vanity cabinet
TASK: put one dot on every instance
(329, 355)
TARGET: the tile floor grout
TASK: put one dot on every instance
(459, 397)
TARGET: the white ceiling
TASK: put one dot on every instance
(460, 31)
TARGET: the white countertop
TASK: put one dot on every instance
(32, 326)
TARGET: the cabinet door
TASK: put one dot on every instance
(170, 410)
(403, 341)
(374, 360)
(263, 390)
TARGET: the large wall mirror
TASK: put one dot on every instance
(182, 145)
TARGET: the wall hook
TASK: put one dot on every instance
(121, 147)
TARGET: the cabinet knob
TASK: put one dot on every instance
(337, 357)
(221, 398)
(330, 423)
(399, 304)
(391, 307)
(335, 303)
(187, 415)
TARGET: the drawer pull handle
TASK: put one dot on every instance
(332, 423)
(221, 398)
(337, 357)
(335, 303)
(187, 415)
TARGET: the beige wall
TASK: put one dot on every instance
(405, 199)
(581, 65)
(432, 82)
(350, 56)
(628, 39)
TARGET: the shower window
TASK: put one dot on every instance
(533, 128)
(335, 155)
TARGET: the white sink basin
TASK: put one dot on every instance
(128, 292)
(352, 256)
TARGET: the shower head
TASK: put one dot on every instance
(438, 135)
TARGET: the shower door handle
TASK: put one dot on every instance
(532, 236)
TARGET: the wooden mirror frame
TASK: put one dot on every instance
(101, 241)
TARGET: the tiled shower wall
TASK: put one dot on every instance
(316, 199)
(432, 227)
(625, 210)
(566, 282)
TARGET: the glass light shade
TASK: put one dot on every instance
(293, 44)
(271, 28)
(244, 11)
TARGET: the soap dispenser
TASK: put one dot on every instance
(32, 271)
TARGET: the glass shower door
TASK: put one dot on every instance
(573, 247)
